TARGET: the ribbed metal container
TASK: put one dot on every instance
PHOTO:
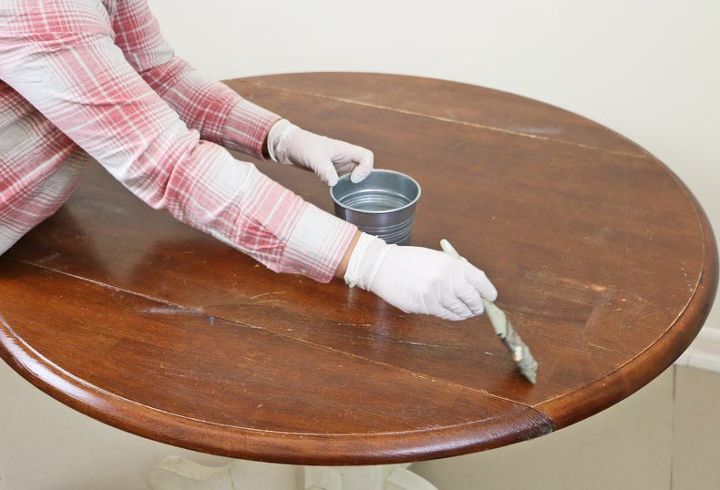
(382, 205)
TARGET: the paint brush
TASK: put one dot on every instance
(504, 329)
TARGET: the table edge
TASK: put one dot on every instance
(261, 445)
(639, 371)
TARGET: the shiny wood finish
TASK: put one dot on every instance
(604, 261)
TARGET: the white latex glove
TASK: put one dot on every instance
(419, 280)
(325, 156)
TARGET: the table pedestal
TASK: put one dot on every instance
(175, 473)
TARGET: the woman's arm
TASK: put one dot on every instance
(219, 113)
(215, 110)
(61, 57)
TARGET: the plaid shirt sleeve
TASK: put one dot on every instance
(218, 112)
(61, 57)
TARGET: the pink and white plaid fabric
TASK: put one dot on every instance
(91, 77)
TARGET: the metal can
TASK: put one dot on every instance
(382, 205)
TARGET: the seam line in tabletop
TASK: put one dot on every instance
(294, 339)
(60, 372)
(450, 120)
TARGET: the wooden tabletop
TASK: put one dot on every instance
(605, 263)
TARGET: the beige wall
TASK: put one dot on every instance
(647, 68)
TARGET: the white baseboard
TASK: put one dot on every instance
(704, 352)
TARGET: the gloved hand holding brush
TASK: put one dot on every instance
(419, 280)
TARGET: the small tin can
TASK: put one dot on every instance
(382, 205)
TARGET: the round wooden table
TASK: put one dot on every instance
(605, 263)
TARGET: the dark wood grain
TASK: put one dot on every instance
(604, 261)
(457, 102)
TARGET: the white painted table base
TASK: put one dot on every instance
(175, 473)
